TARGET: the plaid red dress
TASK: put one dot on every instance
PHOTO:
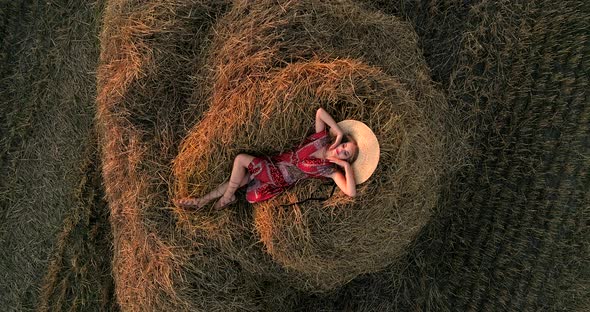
(272, 175)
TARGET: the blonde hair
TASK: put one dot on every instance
(349, 139)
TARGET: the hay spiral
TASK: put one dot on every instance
(271, 67)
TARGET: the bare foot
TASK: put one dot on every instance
(224, 201)
(190, 202)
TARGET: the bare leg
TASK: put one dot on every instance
(212, 195)
(239, 171)
(216, 193)
(219, 191)
(222, 189)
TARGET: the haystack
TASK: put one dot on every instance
(148, 51)
(271, 66)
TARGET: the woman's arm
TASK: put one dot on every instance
(322, 118)
(346, 181)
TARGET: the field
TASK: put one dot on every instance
(109, 109)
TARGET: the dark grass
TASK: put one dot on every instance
(53, 229)
(78, 276)
(512, 233)
(440, 25)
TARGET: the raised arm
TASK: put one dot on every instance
(322, 118)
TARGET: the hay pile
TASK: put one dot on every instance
(184, 86)
(143, 86)
(509, 231)
(271, 66)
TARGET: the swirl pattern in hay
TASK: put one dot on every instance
(271, 68)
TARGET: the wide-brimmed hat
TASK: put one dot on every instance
(368, 149)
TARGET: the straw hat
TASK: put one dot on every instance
(368, 148)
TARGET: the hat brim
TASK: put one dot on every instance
(368, 149)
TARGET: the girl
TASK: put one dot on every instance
(319, 156)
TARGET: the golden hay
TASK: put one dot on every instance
(252, 84)
(271, 67)
(147, 260)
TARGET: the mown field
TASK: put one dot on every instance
(55, 236)
(88, 90)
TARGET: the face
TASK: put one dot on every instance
(345, 150)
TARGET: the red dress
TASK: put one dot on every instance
(272, 175)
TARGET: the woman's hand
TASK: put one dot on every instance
(339, 162)
(339, 135)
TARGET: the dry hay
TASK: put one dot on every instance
(511, 233)
(165, 76)
(146, 48)
(271, 67)
(142, 263)
(466, 269)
